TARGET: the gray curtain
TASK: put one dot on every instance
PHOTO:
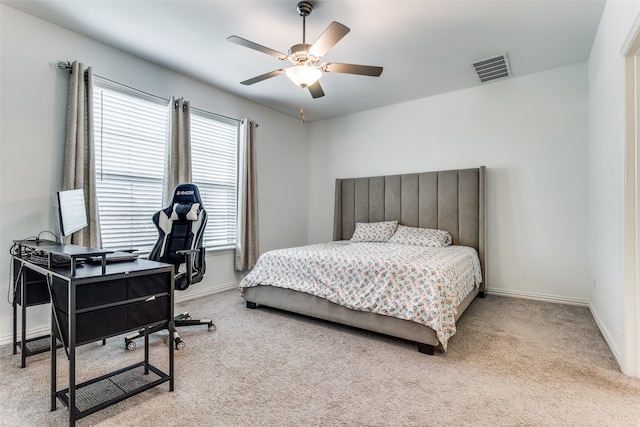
(247, 230)
(79, 152)
(178, 158)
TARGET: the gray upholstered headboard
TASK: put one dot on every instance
(452, 200)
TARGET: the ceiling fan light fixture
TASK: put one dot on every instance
(304, 75)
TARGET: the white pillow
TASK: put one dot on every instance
(420, 237)
(374, 231)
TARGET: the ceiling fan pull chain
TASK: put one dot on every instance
(302, 105)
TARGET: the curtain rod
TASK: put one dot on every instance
(66, 65)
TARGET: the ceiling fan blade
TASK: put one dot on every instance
(256, 46)
(364, 70)
(263, 77)
(316, 90)
(332, 35)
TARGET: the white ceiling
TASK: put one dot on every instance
(426, 47)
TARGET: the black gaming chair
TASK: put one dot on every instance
(180, 229)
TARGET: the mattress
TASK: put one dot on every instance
(420, 284)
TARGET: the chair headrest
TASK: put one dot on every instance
(186, 194)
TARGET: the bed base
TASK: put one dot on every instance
(312, 306)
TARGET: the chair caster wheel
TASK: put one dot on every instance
(179, 344)
(130, 345)
(211, 328)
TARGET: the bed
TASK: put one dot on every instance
(452, 201)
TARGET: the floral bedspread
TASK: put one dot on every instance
(416, 283)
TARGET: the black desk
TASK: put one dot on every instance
(94, 302)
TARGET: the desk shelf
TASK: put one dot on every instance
(35, 345)
(104, 391)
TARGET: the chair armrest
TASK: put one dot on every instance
(188, 256)
(188, 251)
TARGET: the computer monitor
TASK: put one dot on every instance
(72, 211)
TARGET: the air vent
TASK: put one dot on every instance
(493, 68)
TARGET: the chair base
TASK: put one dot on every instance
(183, 319)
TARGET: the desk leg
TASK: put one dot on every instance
(15, 306)
(146, 351)
(171, 347)
(72, 355)
(23, 320)
(15, 324)
(172, 330)
(53, 355)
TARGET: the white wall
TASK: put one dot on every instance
(529, 131)
(606, 173)
(32, 111)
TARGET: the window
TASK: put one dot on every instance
(130, 134)
(214, 169)
(130, 138)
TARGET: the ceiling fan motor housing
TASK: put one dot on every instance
(299, 55)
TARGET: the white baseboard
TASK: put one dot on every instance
(537, 296)
(178, 297)
(201, 292)
(31, 333)
(607, 337)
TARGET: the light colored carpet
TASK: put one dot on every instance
(513, 362)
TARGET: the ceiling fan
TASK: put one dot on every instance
(304, 70)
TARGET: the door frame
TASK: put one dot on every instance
(631, 55)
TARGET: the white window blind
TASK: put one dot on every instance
(130, 136)
(214, 169)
